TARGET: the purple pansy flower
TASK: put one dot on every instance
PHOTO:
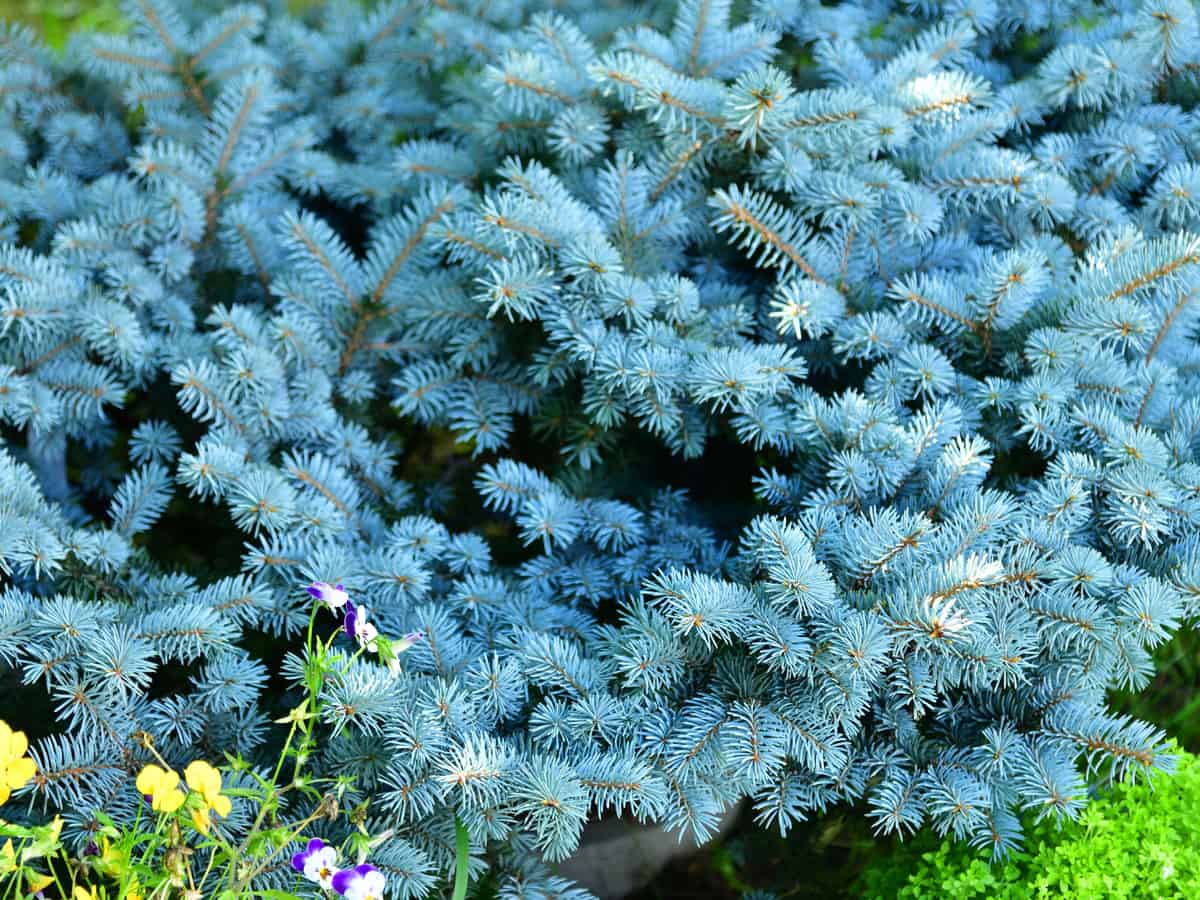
(363, 882)
(359, 628)
(333, 596)
(317, 863)
(299, 859)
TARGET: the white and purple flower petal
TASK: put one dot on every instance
(300, 860)
(321, 867)
(351, 618)
(363, 882)
(333, 596)
(359, 628)
(367, 637)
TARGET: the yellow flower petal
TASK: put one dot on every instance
(38, 882)
(222, 805)
(4, 792)
(163, 788)
(168, 801)
(203, 778)
(17, 745)
(107, 851)
(169, 780)
(201, 820)
(148, 778)
(111, 860)
(193, 774)
(80, 894)
(20, 772)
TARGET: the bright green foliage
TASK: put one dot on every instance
(1135, 841)
(55, 19)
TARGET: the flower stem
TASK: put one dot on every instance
(243, 883)
(461, 857)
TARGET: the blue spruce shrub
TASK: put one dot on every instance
(922, 276)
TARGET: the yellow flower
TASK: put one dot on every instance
(8, 857)
(15, 767)
(37, 882)
(201, 819)
(80, 894)
(162, 787)
(206, 781)
(113, 862)
(53, 831)
(110, 860)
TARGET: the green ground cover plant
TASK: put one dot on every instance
(54, 20)
(1133, 841)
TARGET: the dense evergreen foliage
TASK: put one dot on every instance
(824, 383)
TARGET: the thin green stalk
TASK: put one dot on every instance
(63, 892)
(311, 700)
(228, 849)
(125, 876)
(460, 861)
(270, 794)
(10, 889)
(212, 858)
(242, 883)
